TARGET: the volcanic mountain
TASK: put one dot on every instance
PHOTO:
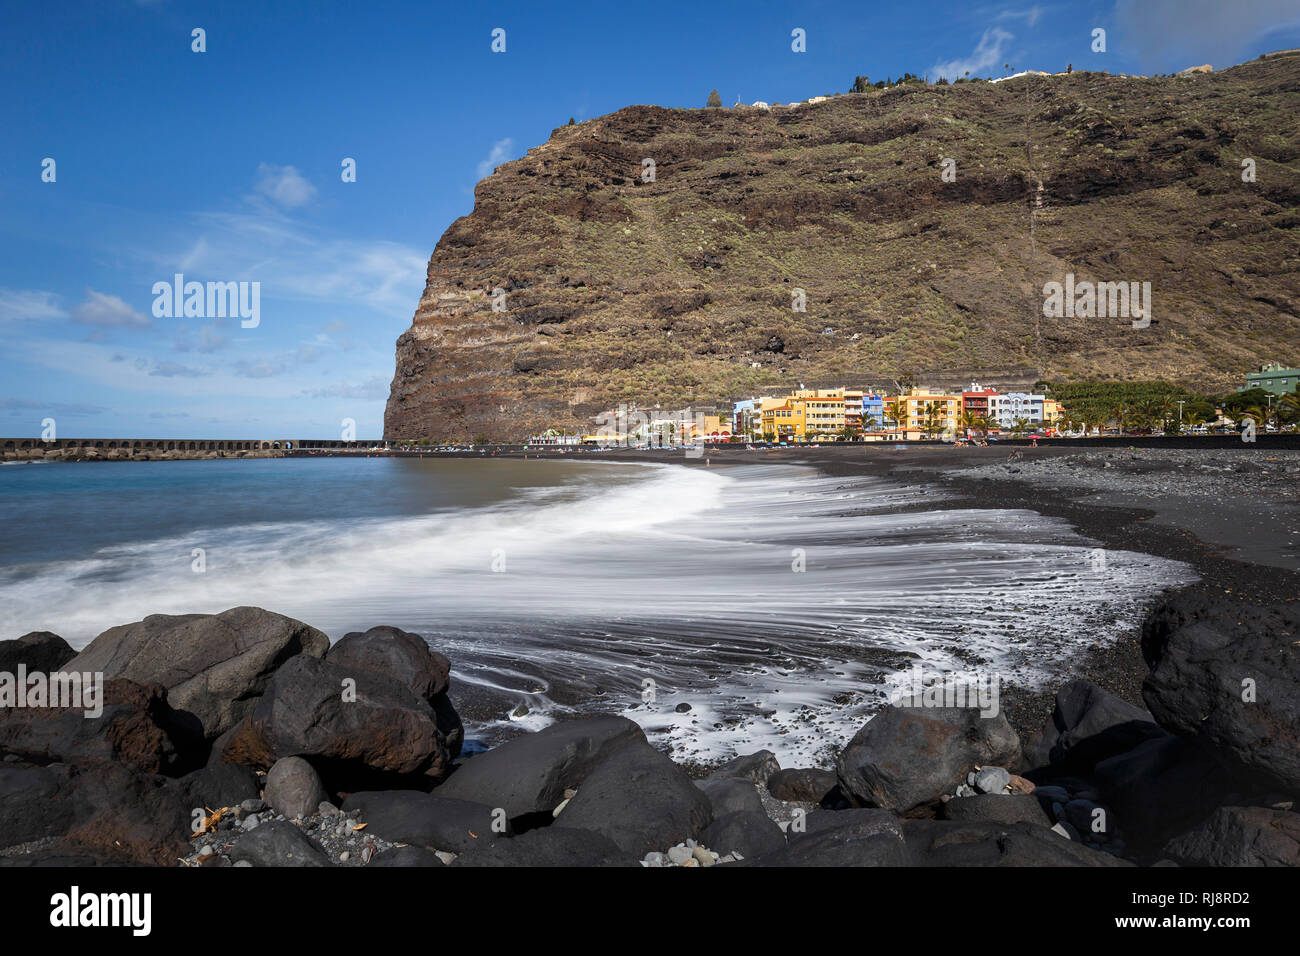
(866, 238)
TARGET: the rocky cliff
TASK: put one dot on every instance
(678, 288)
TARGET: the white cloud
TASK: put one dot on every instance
(19, 305)
(500, 153)
(175, 370)
(1030, 15)
(294, 263)
(989, 54)
(284, 185)
(109, 312)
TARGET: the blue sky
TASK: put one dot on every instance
(225, 165)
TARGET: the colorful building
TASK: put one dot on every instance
(924, 413)
(1005, 410)
(1273, 377)
(873, 411)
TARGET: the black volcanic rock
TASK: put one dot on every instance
(436, 823)
(136, 726)
(407, 658)
(908, 756)
(1240, 836)
(1227, 676)
(805, 785)
(640, 800)
(214, 666)
(1088, 724)
(529, 774)
(38, 651)
(968, 843)
(551, 846)
(384, 729)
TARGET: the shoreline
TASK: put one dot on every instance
(970, 791)
(1117, 667)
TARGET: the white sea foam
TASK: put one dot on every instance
(680, 576)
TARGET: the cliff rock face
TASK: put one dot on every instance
(679, 290)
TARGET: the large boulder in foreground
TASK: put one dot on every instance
(214, 666)
(908, 756)
(1227, 675)
(639, 799)
(38, 651)
(33, 804)
(1160, 788)
(1240, 836)
(529, 774)
(355, 727)
(397, 653)
(105, 809)
(135, 726)
(407, 658)
(278, 843)
(1088, 724)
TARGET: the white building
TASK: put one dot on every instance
(1006, 408)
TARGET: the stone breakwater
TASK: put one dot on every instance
(138, 449)
(245, 739)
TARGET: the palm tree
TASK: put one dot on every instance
(1288, 410)
(967, 422)
(1262, 415)
(1117, 415)
(982, 424)
(1018, 426)
(932, 425)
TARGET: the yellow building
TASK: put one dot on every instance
(924, 413)
(806, 415)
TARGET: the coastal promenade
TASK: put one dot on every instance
(173, 449)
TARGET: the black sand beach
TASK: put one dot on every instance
(1171, 503)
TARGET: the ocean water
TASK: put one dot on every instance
(780, 605)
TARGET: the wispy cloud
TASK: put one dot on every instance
(293, 262)
(21, 305)
(989, 53)
(501, 151)
(108, 312)
(1029, 15)
(284, 185)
